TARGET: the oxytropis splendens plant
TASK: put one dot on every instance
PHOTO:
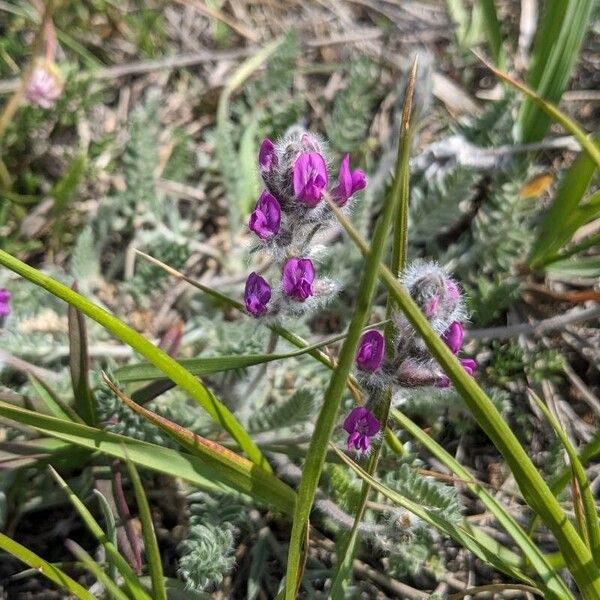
(287, 215)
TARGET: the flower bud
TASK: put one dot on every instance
(349, 182)
(44, 85)
(435, 293)
(257, 294)
(265, 220)
(361, 425)
(371, 349)
(298, 278)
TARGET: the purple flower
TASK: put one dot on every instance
(43, 86)
(4, 302)
(257, 295)
(468, 364)
(265, 220)
(361, 425)
(349, 182)
(453, 336)
(310, 178)
(267, 156)
(298, 277)
(371, 349)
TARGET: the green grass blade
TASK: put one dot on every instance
(481, 546)
(493, 30)
(552, 111)
(553, 585)
(202, 395)
(79, 364)
(592, 523)
(159, 591)
(400, 189)
(131, 579)
(234, 469)
(317, 450)
(209, 365)
(53, 403)
(533, 487)
(111, 528)
(556, 50)
(209, 476)
(46, 569)
(96, 570)
(552, 233)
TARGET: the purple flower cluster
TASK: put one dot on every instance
(408, 363)
(289, 212)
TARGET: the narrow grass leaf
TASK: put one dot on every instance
(493, 31)
(53, 403)
(159, 591)
(208, 365)
(201, 394)
(79, 364)
(111, 528)
(133, 584)
(555, 52)
(591, 523)
(45, 568)
(96, 570)
(555, 113)
(586, 266)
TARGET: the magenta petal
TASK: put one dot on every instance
(363, 443)
(265, 220)
(453, 336)
(309, 178)
(353, 440)
(356, 414)
(359, 181)
(469, 365)
(372, 425)
(349, 182)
